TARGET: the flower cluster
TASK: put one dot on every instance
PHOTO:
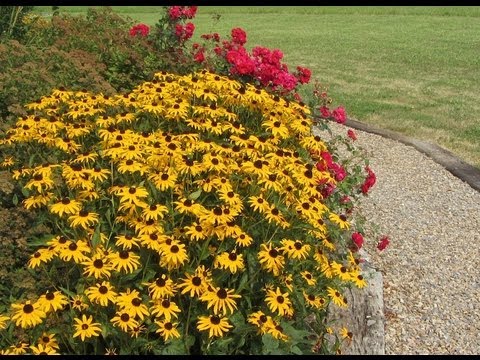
(140, 30)
(186, 211)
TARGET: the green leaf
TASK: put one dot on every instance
(296, 350)
(96, 239)
(269, 344)
(195, 195)
(68, 292)
(15, 199)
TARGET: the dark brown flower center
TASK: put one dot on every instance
(196, 281)
(136, 302)
(125, 317)
(174, 249)
(72, 247)
(28, 309)
(280, 299)
(232, 256)
(166, 304)
(273, 253)
(98, 263)
(168, 326)
(103, 290)
(222, 294)
(215, 320)
(124, 254)
(84, 326)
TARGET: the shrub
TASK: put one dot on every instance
(12, 24)
(188, 217)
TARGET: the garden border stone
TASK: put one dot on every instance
(448, 160)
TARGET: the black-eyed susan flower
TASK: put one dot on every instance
(315, 301)
(127, 241)
(339, 220)
(78, 303)
(221, 300)
(358, 279)
(336, 297)
(75, 251)
(65, 206)
(124, 321)
(341, 271)
(154, 212)
(243, 239)
(52, 301)
(27, 315)
(164, 308)
(167, 329)
(276, 330)
(42, 349)
(49, 340)
(295, 249)
(230, 261)
(41, 256)
(271, 259)
(83, 219)
(135, 308)
(97, 266)
(161, 287)
(18, 349)
(37, 201)
(173, 254)
(279, 302)
(124, 260)
(217, 326)
(194, 284)
(3, 321)
(101, 294)
(86, 328)
(346, 334)
(309, 278)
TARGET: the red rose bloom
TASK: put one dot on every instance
(304, 75)
(139, 30)
(369, 181)
(383, 243)
(239, 36)
(325, 112)
(351, 134)
(357, 239)
(339, 115)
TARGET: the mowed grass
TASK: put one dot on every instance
(414, 70)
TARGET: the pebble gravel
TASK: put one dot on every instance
(431, 269)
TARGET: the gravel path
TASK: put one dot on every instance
(431, 268)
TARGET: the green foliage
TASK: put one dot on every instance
(12, 24)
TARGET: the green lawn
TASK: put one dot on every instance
(414, 70)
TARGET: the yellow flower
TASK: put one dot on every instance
(164, 308)
(279, 302)
(124, 321)
(3, 321)
(97, 266)
(229, 260)
(48, 340)
(101, 293)
(83, 219)
(270, 259)
(167, 329)
(52, 301)
(219, 299)
(86, 328)
(42, 349)
(336, 297)
(215, 325)
(27, 314)
(124, 260)
(162, 287)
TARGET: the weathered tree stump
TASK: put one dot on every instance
(364, 316)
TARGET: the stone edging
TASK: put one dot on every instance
(450, 162)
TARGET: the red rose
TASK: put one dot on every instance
(351, 134)
(369, 181)
(139, 29)
(304, 74)
(357, 239)
(383, 243)
(325, 112)
(239, 36)
(339, 115)
(199, 56)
